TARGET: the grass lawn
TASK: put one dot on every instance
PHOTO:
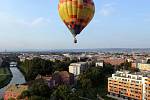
(5, 76)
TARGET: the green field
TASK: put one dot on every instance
(5, 76)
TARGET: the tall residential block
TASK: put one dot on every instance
(130, 85)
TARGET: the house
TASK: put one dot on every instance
(63, 77)
(58, 78)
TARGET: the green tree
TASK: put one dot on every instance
(25, 94)
(39, 88)
(5, 62)
(94, 81)
(63, 92)
(35, 97)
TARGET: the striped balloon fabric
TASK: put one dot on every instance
(76, 14)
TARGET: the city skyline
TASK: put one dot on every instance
(26, 24)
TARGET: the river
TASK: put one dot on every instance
(17, 78)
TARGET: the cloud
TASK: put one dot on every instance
(9, 23)
(107, 9)
(37, 22)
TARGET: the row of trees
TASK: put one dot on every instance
(5, 62)
(31, 68)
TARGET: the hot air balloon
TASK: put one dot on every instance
(76, 14)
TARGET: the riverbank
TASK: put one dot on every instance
(23, 71)
(5, 76)
(17, 78)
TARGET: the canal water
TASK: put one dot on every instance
(17, 78)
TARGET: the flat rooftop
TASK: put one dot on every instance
(125, 73)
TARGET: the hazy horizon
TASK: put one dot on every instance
(115, 50)
(36, 25)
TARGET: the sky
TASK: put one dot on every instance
(35, 24)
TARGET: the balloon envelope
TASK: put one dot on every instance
(76, 14)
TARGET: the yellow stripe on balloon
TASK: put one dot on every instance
(79, 9)
(65, 11)
(69, 8)
(74, 10)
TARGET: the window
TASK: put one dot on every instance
(133, 78)
(137, 81)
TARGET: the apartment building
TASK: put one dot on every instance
(58, 78)
(143, 66)
(77, 68)
(128, 86)
(146, 89)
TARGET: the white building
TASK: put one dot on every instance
(78, 68)
(99, 64)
